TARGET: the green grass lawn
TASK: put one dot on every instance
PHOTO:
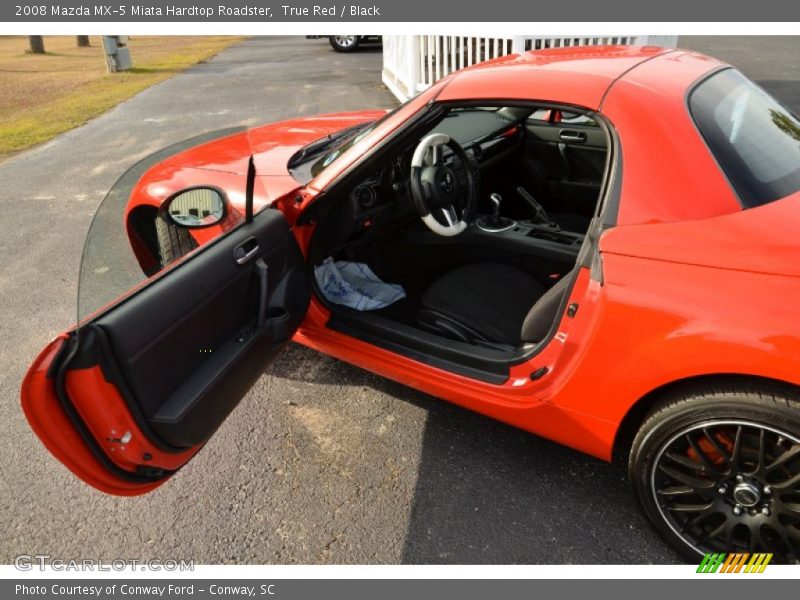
(44, 95)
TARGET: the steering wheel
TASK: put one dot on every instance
(443, 195)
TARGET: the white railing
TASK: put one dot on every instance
(411, 63)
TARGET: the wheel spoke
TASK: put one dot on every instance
(737, 448)
(789, 536)
(698, 485)
(728, 534)
(789, 513)
(784, 458)
(685, 461)
(712, 439)
(679, 507)
(792, 507)
(756, 543)
(762, 453)
(702, 516)
(702, 478)
(677, 490)
(710, 535)
(707, 462)
(793, 532)
(788, 484)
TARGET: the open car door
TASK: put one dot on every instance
(133, 392)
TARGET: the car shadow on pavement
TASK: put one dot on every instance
(488, 493)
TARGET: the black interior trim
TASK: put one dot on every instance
(201, 403)
(507, 241)
(104, 357)
(188, 346)
(249, 190)
(611, 186)
(421, 120)
(472, 361)
(476, 362)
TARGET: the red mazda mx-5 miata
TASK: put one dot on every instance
(598, 245)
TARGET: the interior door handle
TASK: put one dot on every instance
(572, 136)
(246, 251)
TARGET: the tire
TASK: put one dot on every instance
(173, 242)
(717, 469)
(345, 43)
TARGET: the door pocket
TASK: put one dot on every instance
(278, 322)
(203, 401)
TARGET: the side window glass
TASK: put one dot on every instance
(541, 116)
(161, 210)
(568, 118)
(546, 116)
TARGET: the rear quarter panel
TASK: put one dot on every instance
(660, 322)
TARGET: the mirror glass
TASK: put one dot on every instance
(197, 207)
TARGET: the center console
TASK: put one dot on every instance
(495, 237)
(547, 233)
(540, 230)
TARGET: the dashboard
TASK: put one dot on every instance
(381, 187)
(382, 199)
(390, 184)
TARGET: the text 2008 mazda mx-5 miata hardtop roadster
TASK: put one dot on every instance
(598, 245)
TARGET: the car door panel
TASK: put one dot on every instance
(185, 358)
(568, 161)
(161, 370)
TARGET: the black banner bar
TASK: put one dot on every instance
(437, 11)
(731, 588)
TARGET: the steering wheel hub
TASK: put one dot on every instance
(447, 182)
(440, 183)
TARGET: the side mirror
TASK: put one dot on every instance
(196, 207)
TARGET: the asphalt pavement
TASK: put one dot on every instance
(321, 462)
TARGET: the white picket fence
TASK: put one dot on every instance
(411, 63)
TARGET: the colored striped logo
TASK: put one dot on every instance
(734, 563)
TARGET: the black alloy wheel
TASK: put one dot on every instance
(713, 483)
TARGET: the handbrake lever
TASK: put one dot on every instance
(538, 209)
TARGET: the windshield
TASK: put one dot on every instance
(471, 124)
(344, 144)
(340, 145)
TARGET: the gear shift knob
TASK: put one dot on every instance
(494, 223)
(496, 199)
